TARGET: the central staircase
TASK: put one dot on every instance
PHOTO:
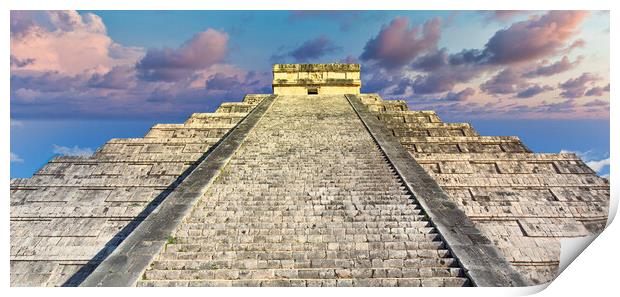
(308, 199)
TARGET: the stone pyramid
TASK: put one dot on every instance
(313, 185)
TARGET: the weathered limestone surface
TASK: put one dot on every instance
(305, 79)
(76, 210)
(307, 200)
(523, 201)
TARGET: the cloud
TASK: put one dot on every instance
(17, 63)
(64, 65)
(576, 87)
(397, 44)
(431, 61)
(314, 49)
(203, 50)
(533, 91)
(27, 94)
(555, 68)
(598, 91)
(25, 21)
(16, 159)
(460, 96)
(597, 103)
(376, 79)
(120, 94)
(241, 85)
(514, 54)
(47, 81)
(442, 80)
(579, 43)
(534, 38)
(403, 86)
(349, 60)
(22, 21)
(65, 42)
(120, 77)
(566, 106)
(73, 21)
(507, 81)
(526, 41)
(168, 83)
(598, 165)
(440, 72)
(72, 151)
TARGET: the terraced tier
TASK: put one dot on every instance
(72, 213)
(524, 202)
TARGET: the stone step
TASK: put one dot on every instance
(241, 189)
(435, 257)
(205, 230)
(307, 228)
(215, 247)
(302, 225)
(265, 206)
(300, 215)
(319, 239)
(368, 282)
(305, 198)
(323, 202)
(314, 218)
(215, 273)
(311, 212)
(327, 175)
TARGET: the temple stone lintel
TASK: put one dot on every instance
(314, 79)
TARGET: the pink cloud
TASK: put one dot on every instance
(349, 60)
(119, 77)
(203, 50)
(444, 79)
(17, 63)
(459, 96)
(64, 65)
(533, 91)
(537, 37)
(598, 91)
(397, 44)
(314, 48)
(65, 42)
(507, 81)
(558, 67)
(579, 43)
(517, 56)
(597, 103)
(576, 87)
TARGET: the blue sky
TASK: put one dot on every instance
(81, 78)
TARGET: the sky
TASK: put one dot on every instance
(79, 78)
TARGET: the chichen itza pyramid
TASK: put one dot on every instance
(313, 185)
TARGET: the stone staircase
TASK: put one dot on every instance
(307, 200)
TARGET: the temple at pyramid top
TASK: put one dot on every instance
(314, 79)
